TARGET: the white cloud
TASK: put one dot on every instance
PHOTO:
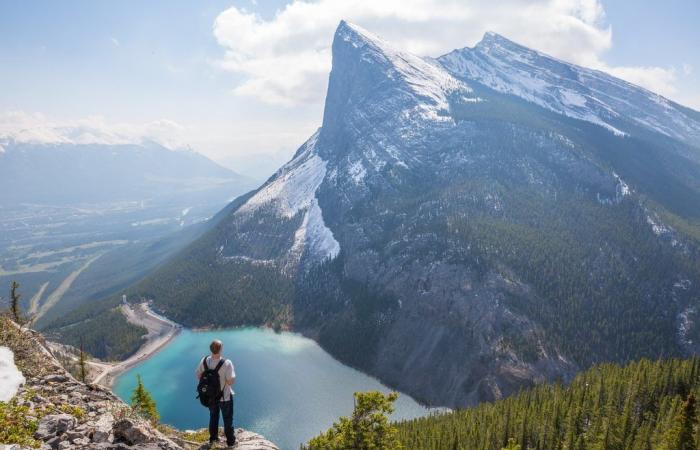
(656, 79)
(687, 69)
(694, 101)
(286, 59)
(115, 41)
(24, 127)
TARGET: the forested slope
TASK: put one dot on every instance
(644, 405)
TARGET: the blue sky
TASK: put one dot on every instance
(229, 73)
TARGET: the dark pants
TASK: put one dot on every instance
(226, 409)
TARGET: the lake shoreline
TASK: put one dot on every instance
(161, 332)
(164, 332)
(120, 368)
(155, 345)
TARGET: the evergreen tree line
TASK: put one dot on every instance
(643, 406)
(107, 335)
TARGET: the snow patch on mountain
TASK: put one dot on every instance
(565, 88)
(10, 376)
(573, 99)
(664, 231)
(685, 324)
(623, 189)
(426, 78)
(314, 237)
(293, 190)
(500, 75)
(294, 186)
(658, 227)
(357, 171)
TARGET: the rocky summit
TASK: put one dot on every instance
(62, 413)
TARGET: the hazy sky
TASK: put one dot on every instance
(243, 81)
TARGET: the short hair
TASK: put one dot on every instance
(215, 346)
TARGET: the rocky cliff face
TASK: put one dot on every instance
(58, 412)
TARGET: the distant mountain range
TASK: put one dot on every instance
(60, 174)
(79, 221)
(464, 226)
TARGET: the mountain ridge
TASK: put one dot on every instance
(131, 167)
(484, 242)
(506, 66)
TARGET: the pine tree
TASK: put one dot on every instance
(681, 436)
(142, 402)
(455, 443)
(82, 363)
(14, 302)
(512, 445)
(367, 429)
(689, 421)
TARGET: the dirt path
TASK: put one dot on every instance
(160, 332)
(66, 352)
(34, 302)
(56, 295)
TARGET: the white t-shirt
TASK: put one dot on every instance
(226, 373)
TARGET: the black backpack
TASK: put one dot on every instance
(209, 387)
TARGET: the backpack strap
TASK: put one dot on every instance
(204, 363)
(218, 366)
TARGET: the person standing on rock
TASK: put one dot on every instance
(217, 374)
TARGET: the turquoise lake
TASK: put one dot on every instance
(288, 388)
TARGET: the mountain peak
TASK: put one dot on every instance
(351, 32)
(492, 40)
(362, 61)
(368, 46)
(493, 36)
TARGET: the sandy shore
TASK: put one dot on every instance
(160, 332)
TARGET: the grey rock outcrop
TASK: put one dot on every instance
(53, 425)
(73, 415)
(247, 440)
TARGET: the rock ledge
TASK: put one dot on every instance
(74, 415)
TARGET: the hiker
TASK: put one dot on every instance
(216, 377)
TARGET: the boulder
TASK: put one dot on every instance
(54, 441)
(100, 429)
(247, 440)
(99, 436)
(38, 399)
(114, 446)
(74, 434)
(83, 441)
(56, 378)
(131, 432)
(54, 425)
